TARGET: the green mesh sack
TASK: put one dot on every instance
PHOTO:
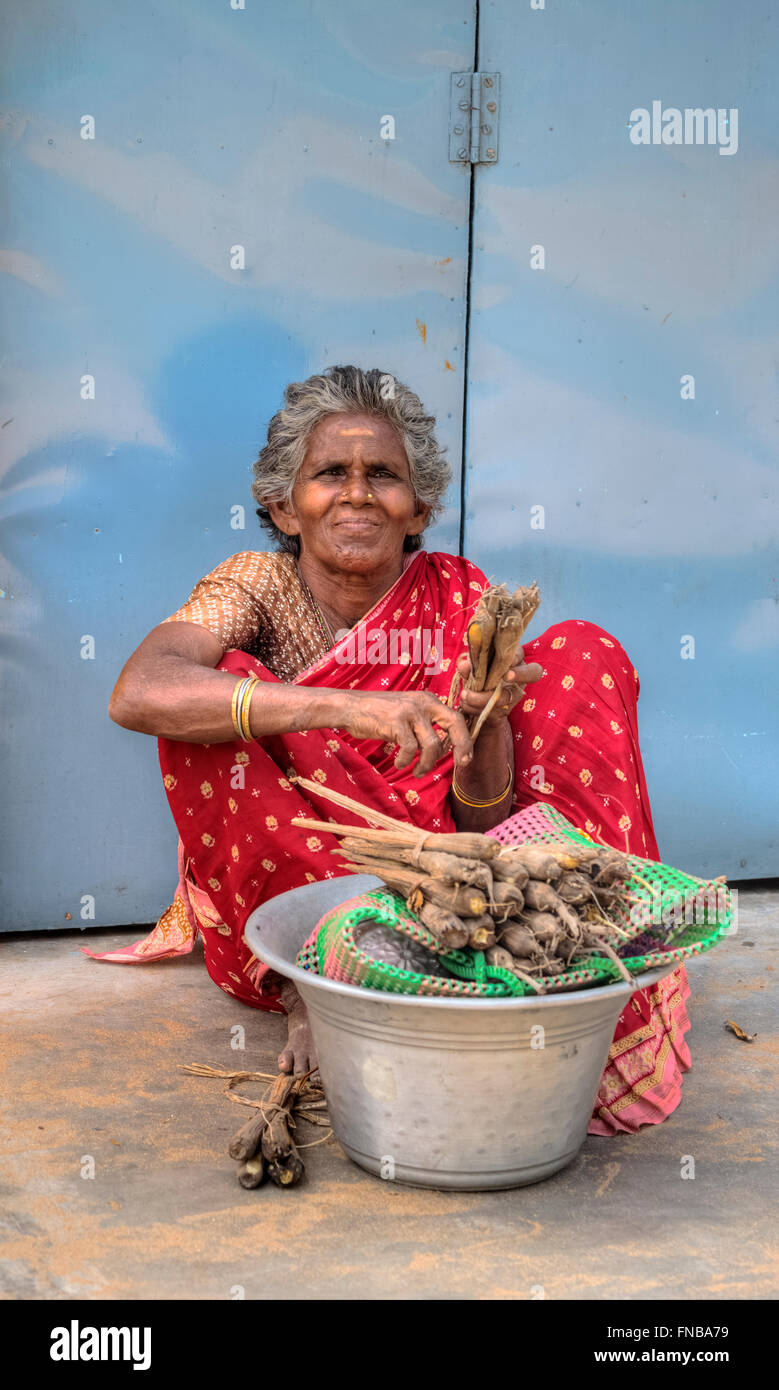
(334, 950)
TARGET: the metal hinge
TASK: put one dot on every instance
(474, 112)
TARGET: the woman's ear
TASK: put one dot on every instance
(419, 520)
(282, 514)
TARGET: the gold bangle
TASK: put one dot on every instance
(466, 800)
(245, 708)
(239, 687)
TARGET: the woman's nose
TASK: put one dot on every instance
(356, 491)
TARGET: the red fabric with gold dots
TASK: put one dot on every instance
(576, 737)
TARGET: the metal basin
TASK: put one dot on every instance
(445, 1093)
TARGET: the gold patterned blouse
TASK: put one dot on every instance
(255, 602)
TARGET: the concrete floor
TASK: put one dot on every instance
(91, 1054)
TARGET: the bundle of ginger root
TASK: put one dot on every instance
(535, 909)
(494, 634)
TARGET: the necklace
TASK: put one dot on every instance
(324, 626)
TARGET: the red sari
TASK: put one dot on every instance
(576, 747)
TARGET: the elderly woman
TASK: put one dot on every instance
(332, 657)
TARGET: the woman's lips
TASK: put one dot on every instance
(357, 525)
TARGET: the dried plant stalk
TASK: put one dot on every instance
(482, 933)
(506, 893)
(253, 1171)
(575, 888)
(574, 856)
(349, 804)
(518, 940)
(449, 930)
(449, 868)
(246, 1142)
(500, 958)
(469, 844)
(535, 859)
(509, 871)
(463, 901)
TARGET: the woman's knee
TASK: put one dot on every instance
(579, 636)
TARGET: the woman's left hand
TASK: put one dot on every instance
(472, 702)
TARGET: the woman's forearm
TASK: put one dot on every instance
(170, 689)
(491, 770)
(193, 705)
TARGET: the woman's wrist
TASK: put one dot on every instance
(482, 802)
(485, 776)
(484, 790)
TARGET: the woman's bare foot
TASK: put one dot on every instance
(299, 1055)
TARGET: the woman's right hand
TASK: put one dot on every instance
(409, 720)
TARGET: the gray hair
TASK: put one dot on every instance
(334, 391)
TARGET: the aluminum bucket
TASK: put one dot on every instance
(445, 1093)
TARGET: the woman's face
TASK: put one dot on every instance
(353, 504)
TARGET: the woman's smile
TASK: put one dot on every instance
(357, 524)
